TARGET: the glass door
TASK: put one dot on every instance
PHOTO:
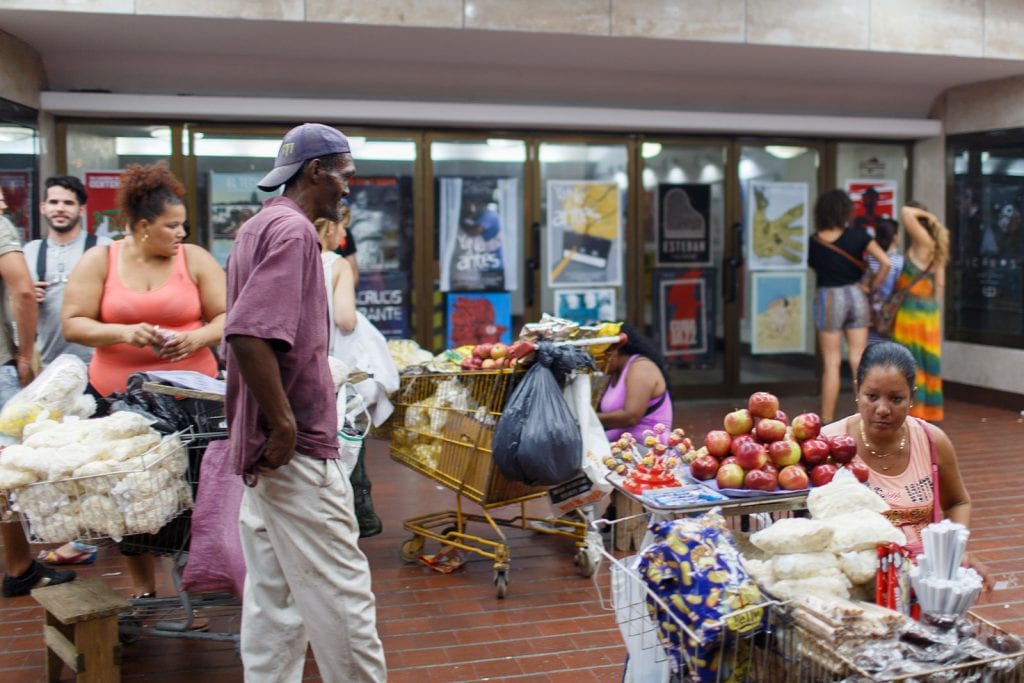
(774, 288)
(682, 223)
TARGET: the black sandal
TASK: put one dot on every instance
(36, 576)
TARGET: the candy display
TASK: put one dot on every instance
(651, 462)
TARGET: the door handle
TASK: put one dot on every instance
(731, 266)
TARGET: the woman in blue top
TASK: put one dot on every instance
(836, 255)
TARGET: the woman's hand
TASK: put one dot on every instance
(141, 335)
(181, 345)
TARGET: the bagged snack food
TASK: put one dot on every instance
(804, 565)
(54, 394)
(845, 493)
(861, 530)
(793, 535)
(833, 585)
(859, 566)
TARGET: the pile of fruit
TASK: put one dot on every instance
(494, 356)
(759, 449)
(649, 463)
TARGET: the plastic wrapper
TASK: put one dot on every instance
(844, 494)
(789, 589)
(406, 353)
(11, 478)
(861, 530)
(549, 328)
(64, 461)
(100, 513)
(431, 414)
(759, 570)
(55, 393)
(859, 566)
(793, 535)
(27, 459)
(804, 565)
(694, 568)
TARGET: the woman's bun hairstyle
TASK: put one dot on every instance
(144, 192)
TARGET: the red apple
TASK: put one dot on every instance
(842, 448)
(822, 474)
(482, 351)
(466, 364)
(781, 417)
(793, 478)
(814, 451)
(730, 476)
(739, 422)
(769, 430)
(806, 426)
(728, 460)
(762, 404)
(498, 351)
(770, 468)
(742, 438)
(759, 480)
(718, 442)
(859, 469)
(785, 452)
(750, 455)
(488, 364)
(705, 467)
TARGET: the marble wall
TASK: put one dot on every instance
(971, 28)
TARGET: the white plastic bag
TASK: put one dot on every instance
(596, 448)
(353, 425)
(647, 662)
(366, 349)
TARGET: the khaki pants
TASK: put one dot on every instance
(307, 580)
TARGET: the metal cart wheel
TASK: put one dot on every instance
(501, 583)
(584, 565)
(412, 548)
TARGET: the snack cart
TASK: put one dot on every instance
(443, 427)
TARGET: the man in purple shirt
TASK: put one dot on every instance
(307, 580)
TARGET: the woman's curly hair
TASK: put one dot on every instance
(144, 192)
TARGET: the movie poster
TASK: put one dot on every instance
(383, 298)
(17, 187)
(777, 226)
(872, 200)
(479, 221)
(684, 321)
(990, 250)
(586, 306)
(778, 313)
(376, 222)
(584, 233)
(683, 217)
(233, 199)
(478, 318)
(102, 216)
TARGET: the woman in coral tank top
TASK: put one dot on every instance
(147, 302)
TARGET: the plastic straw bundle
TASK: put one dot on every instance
(943, 587)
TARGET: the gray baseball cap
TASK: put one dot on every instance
(300, 144)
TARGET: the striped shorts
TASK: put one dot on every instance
(840, 308)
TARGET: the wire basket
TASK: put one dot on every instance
(151, 490)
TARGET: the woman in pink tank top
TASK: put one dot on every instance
(912, 464)
(636, 397)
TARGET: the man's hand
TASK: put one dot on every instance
(279, 448)
(40, 286)
(25, 371)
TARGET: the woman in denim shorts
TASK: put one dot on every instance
(841, 305)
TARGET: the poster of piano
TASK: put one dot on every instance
(584, 226)
(683, 217)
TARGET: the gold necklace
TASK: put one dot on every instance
(881, 456)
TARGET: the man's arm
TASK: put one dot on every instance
(258, 366)
(18, 281)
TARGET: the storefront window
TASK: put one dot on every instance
(985, 278)
(479, 230)
(584, 190)
(19, 153)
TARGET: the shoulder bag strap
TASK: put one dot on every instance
(901, 291)
(41, 261)
(855, 261)
(936, 503)
(90, 241)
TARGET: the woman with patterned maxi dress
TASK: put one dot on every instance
(918, 322)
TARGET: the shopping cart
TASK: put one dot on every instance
(742, 645)
(443, 427)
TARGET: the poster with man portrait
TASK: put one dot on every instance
(233, 198)
(683, 220)
(584, 233)
(873, 200)
(479, 221)
(586, 306)
(778, 313)
(375, 207)
(777, 226)
(17, 188)
(684, 315)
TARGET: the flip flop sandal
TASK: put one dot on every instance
(52, 557)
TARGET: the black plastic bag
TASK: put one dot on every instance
(537, 440)
(165, 413)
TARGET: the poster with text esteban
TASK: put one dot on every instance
(584, 233)
(777, 226)
(684, 225)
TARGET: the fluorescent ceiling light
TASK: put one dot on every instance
(144, 147)
(649, 150)
(784, 151)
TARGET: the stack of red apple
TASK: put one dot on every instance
(496, 356)
(649, 463)
(759, 450)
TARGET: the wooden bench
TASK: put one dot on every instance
(81, 630)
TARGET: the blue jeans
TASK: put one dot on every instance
(9, 384)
